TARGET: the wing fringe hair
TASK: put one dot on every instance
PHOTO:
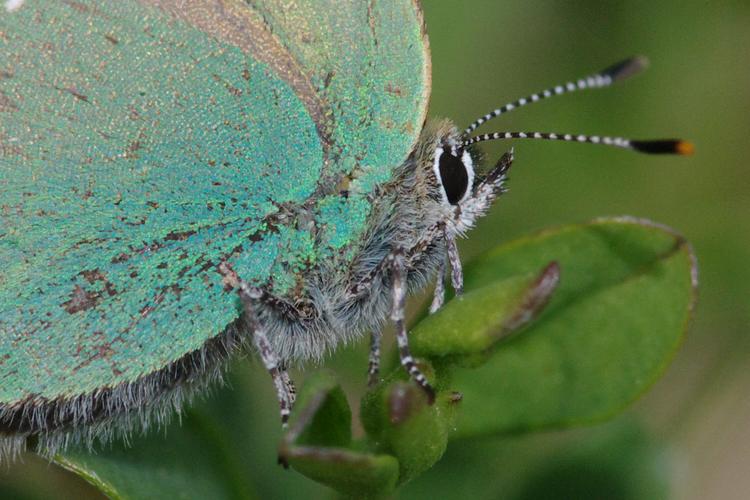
(49, 427)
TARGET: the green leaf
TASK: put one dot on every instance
(325, 418)
(477, 320)
(318, 444)
(356, 474)
(618, 295)
(626, 291)
(193, 463)
(399, 421)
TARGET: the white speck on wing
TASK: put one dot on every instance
(12, 5)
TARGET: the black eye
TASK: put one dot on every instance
(453, 175)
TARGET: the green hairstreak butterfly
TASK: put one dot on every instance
(184, 180)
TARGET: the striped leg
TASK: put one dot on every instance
(374, 368)
(398, 277)
(284, 388)
(438, 297)
(289, 384)
(457, 273)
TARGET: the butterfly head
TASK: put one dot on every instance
(456, 192)
(452, 162)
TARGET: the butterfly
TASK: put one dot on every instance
(183, 181)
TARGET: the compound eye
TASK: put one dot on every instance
(455, 170)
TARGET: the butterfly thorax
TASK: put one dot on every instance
(415, 213)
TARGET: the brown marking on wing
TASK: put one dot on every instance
(74, 92)
(7, 105)
(102, 349)
(94, 275)
(81, 300)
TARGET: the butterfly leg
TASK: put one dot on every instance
(397, 264)
(374, 366)
(284, 387)
(457, 273)
(289, 384)
(280, 377)
(438, 297)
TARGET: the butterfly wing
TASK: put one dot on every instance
(142, 143)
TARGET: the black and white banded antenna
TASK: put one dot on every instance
(656, 146)
(605, 78)
(612, 74)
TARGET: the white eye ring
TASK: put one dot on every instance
(468, 166)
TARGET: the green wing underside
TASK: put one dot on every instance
(141, 143)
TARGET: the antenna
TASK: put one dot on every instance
(659, 146)
(604, 78)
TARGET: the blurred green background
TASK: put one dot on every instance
(689, 437)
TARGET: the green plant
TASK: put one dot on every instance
(603, 307)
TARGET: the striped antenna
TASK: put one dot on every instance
(659, 146)
(604, 78)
